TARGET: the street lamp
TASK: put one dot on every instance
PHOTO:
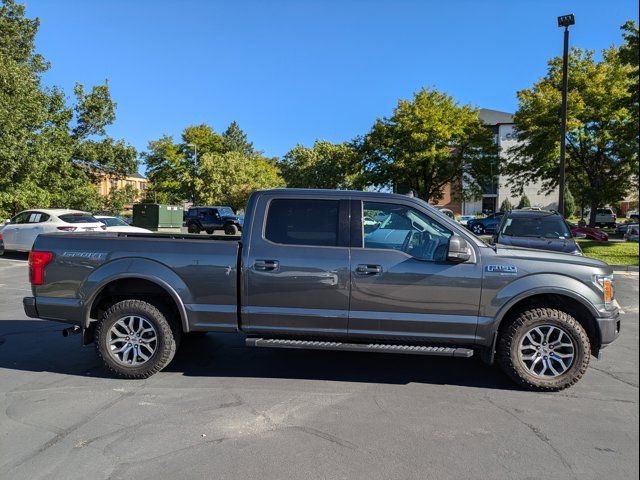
(564, 21)
(195, 170)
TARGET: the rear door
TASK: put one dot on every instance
(402, 286)
(296, 269)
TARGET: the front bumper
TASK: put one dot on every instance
(609, 326)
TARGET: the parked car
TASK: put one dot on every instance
(588, 232)
(19, 232)
(115, 224)
(540, 229)
(304, 275)
(605, 217)
(631, 234)
(465, 218)
(209, 219)
(488, 224)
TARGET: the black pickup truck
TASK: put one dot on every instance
(306, 273)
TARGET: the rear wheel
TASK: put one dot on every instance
(193, 228)
(231, 229)
(544, 349)
(135, 339)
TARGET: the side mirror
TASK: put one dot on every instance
(580, 235)
(7, 221)
(459, 250)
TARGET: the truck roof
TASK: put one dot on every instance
(335, 193)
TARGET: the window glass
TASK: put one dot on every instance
(21, 218)
(303, 222)
(113, 222)
(550, 226)
(398, 227)
(78, 218)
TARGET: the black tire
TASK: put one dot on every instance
(168, 338)
(478, 229)
(193, 228)
(210, 231)
(231, 229)
(512, 334)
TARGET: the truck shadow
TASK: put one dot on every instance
(38, 346)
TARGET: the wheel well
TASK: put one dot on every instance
(561, 302)
(134, 288)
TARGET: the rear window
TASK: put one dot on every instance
(78, 218)
(303, 222)
(604, 211)
(550, 226)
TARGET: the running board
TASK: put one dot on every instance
(359, 347)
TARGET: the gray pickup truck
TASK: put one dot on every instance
(331, 270)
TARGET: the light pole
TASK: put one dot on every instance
(195, 171)
(564, 21)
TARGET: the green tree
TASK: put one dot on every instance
(325, 165)
(429, 142)
(601, 158)
(569, 204)
(524, 202)
(506, 206)
(235, 140)
(50, 152)
(118, 198)
(229, 178)
(167, 172)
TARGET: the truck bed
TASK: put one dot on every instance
(200, 270)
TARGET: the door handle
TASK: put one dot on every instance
(368, 269)
(266, 265)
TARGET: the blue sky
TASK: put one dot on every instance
(293, 71)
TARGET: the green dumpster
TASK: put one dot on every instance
(157, 217)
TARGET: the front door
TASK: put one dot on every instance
(296, 271)
(11, 233)
(402, 287)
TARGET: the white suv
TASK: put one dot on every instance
(20, 232)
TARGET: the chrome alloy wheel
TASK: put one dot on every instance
(132, 340)
(547, 351)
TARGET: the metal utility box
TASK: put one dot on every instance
(157, 217)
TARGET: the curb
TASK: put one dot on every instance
(625, 268)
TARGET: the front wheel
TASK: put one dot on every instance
(231, 229)
(134, 339)
(478, 229)
(544, 349)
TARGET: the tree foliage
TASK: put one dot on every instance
(506, 206)
(224, 171)
(50, 152)
(118, 198)
(602, 157)
(524, 202)
(429, 142)
(325, 165)
(229, 178)
(570, 206)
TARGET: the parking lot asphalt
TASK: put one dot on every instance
(225, 411)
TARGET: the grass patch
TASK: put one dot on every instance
(614, 253)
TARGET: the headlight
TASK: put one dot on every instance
(605, 284)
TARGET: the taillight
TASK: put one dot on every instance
(0, 236)
(67, 229)
(37, 262)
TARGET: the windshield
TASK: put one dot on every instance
(113, 222)
(551, 226)
(78, 218)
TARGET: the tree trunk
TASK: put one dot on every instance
(593, 213)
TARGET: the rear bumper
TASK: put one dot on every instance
(67, 310)
(29, 304)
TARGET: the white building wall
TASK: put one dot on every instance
(506, 140)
